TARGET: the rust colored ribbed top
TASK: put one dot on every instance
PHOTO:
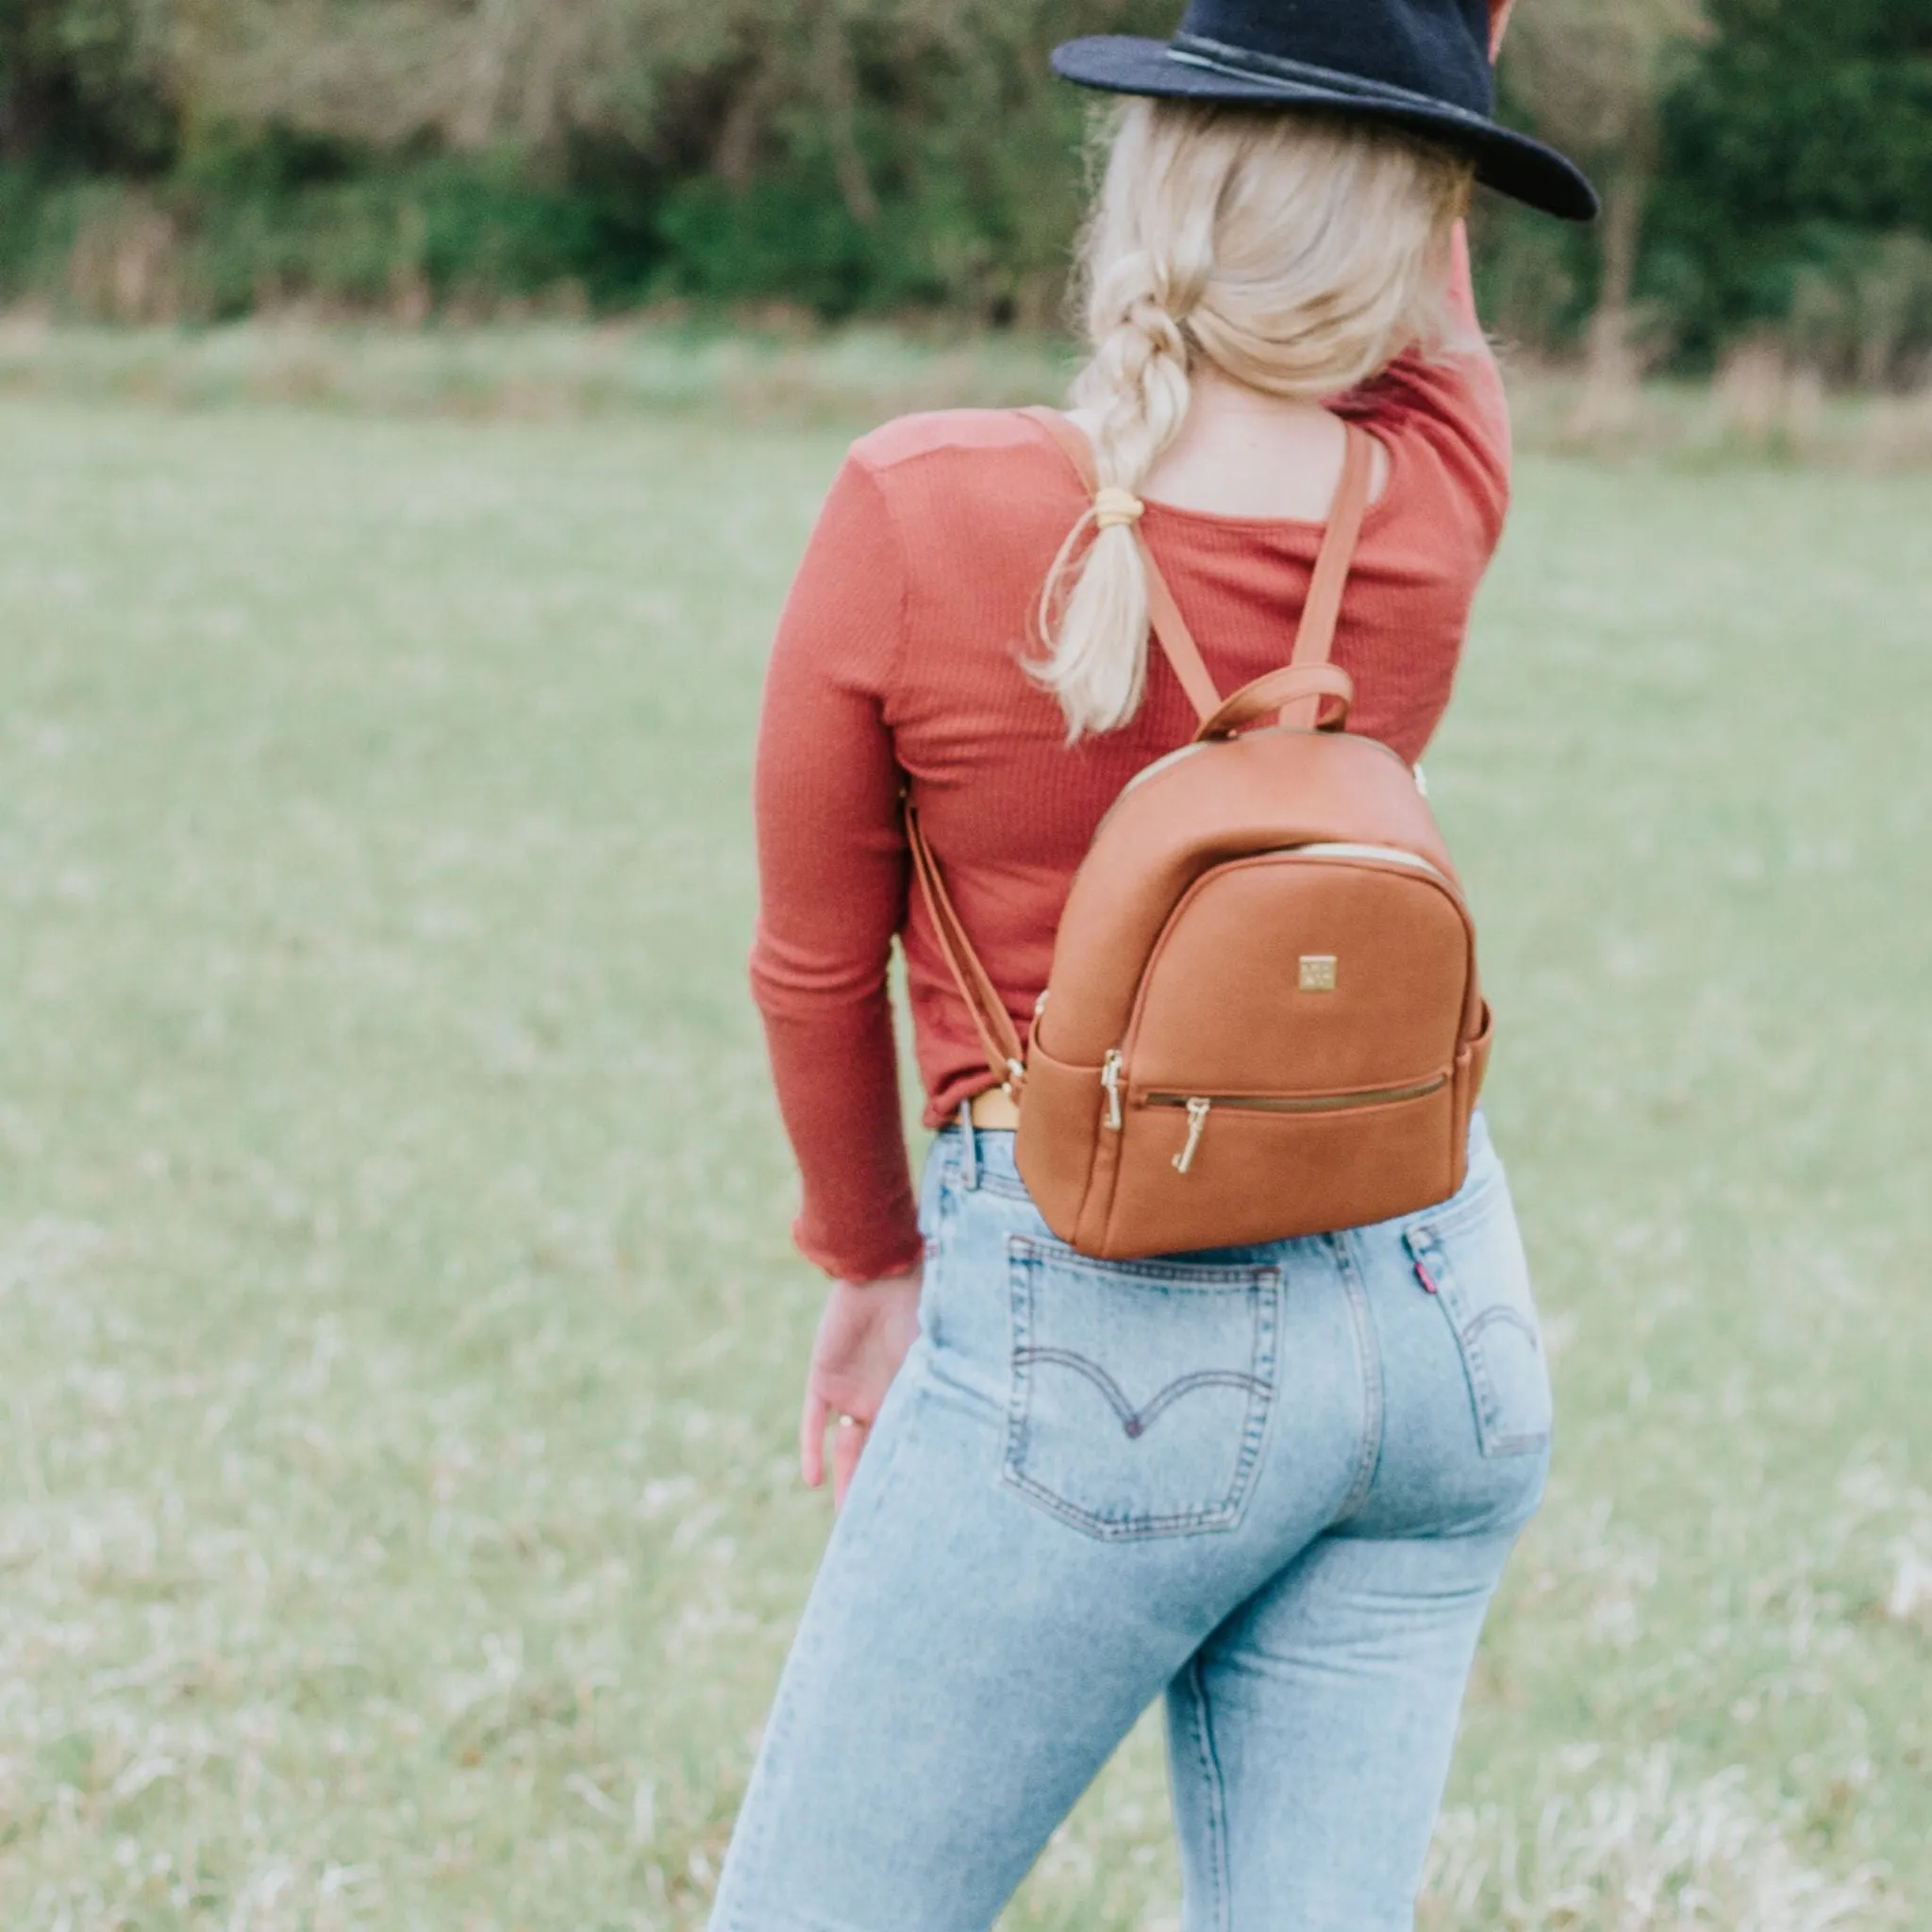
(899, 656)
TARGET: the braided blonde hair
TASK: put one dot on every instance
(1298, 255)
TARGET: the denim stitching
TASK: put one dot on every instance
(1456, 1213)
(1184, 1277)
(1135, 1421)
(1256, 1387)
(1502, 1311)
(1473, 1358)
(1424, 1241)
(1369, 1357)
(1210, 1766)
(1019, 1389)
(988, 1179)
(1263, 1287)
(939, 1245)
(1110, 1529)
(1522, 1444)
(1270, 1289)
(1001, 1185)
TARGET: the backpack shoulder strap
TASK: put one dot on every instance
(1171, 630)
(998, 1038)
(1315, 639)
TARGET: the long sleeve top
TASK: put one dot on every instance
(900, 661)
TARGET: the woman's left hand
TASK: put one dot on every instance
(864, 1335)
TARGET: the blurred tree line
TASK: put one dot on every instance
(1768, 163)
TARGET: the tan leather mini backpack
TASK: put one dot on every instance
(1264, 1018)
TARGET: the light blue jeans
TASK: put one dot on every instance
(1276, 1484)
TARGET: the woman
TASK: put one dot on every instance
(1277, 245)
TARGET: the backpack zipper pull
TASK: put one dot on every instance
(1197, 1121)
(1110, 1079)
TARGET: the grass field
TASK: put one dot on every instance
(397, 1519)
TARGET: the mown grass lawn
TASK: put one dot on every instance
(397, 1519)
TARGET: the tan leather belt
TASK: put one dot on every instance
(996, 1111)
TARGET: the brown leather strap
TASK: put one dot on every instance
(1176, 640)
(1073, 442)
(1316, 638)
(1279, 690)
(990, 1020)
(1171, 630)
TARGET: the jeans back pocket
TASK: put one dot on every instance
(1141, 1391)
(1470, 1255)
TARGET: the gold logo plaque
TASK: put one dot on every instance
(1318, 973)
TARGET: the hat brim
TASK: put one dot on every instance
(1513, 164)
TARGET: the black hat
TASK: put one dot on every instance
(1423, 64)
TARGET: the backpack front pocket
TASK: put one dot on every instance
(1141, 1391)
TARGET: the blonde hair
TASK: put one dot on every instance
(1298, 255)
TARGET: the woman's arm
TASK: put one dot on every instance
(832, 876)
(1446, 420)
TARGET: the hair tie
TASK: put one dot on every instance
(1114, 506)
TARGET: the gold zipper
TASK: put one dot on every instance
(1198, 1111)
(1200, 1105)
(1314, 1102)
(1110, 1079)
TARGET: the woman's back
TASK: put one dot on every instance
(904, 654)
(1241, 454)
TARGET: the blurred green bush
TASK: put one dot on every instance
(197, 159)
